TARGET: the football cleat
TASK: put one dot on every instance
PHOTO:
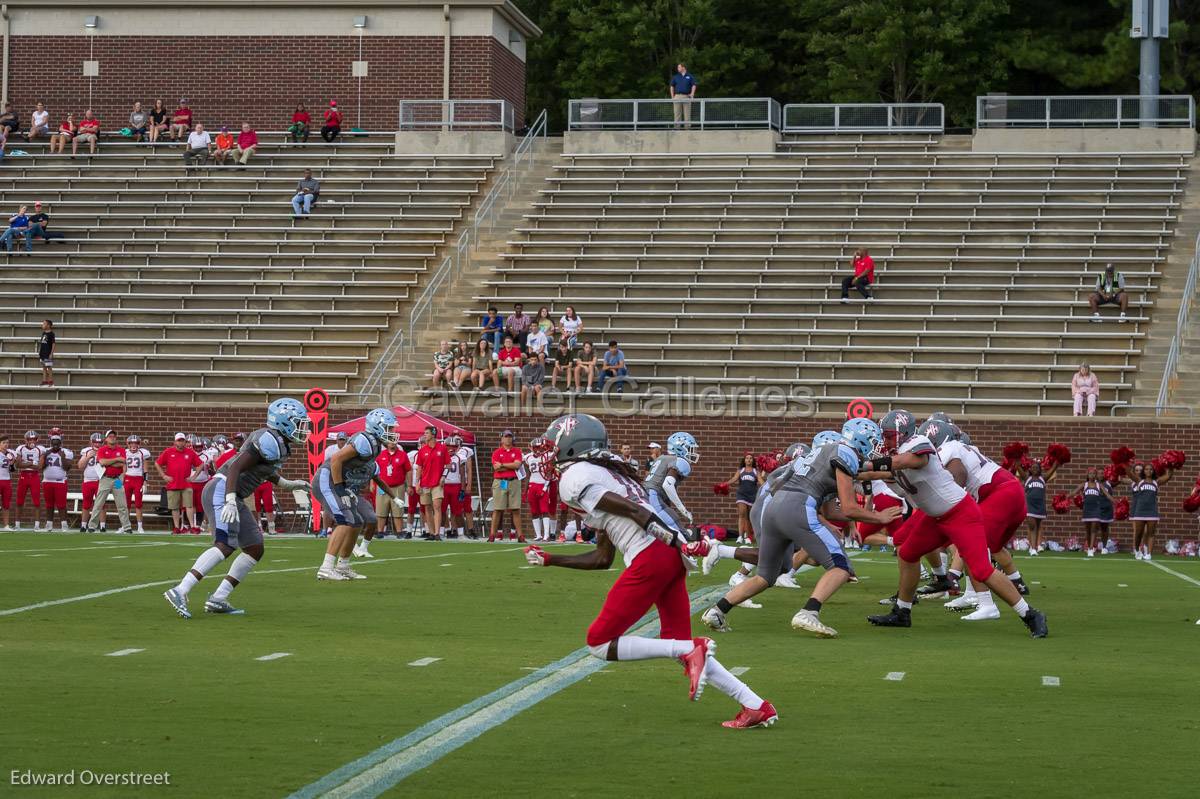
(737, 578)
(810, 621)
(714, 619)
(983, 613)
(786, 581)
(695, 664)
(221, 606)
(891, 600)
(331, 574)
(710, 559)
(746, 718)
(940, 586)
(961, 603)
(898, 617)
(351, 574)
(177, 601)
(749, 603)
(1035, 620)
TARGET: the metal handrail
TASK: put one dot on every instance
(1181, 319)
(1110, 108)
(866, 117)
(658, 113)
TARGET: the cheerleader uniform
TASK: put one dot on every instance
(1035, 497)
(1144, 507)
(1091, 502)
(1106, 505)
(747, 486)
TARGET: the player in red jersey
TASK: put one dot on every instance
(607, 490)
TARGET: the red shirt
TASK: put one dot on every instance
(178, 464)
(182, 116)
(224, 458)
(247, 139)
(301, 116)
(333, 117)
(865, 266)
(89, 126)
(432, 460)
(505, 462)
(393, 467)
(509, 354)
(105, 452)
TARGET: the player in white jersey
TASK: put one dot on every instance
(537, 490)
(56, 462)
(29, 464)
(91, 478)
(946, 514)
(136, 457)
(8, 460)
(456, 496)
(655, 574)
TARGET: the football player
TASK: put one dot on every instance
(198, 480)
(460, 471)
(135, 476)
(91, 479)
(7, 459)
(665, 476)
(30, 458)
(56, 463)
(537, 490)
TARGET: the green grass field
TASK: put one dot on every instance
(970, 715)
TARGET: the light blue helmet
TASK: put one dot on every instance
(381, 423)
(864, 437)
(683, 445)
(826, 437)
(287, 417)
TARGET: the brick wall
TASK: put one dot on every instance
(721, 441)
(259, 78)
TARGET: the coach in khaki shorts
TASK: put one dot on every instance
(506, 485)
(175, 465)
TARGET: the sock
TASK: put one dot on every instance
(955, 575)
(460, 532)
(634, 647)
(1022, 608)
(552, 527)
(720, 678)
(242, 565)
(537, 526)
(203, 565)
(939, 571)
(724, 605)
(365, 543)
(1015, 576)
(343, 563)
(985, 598)
(791, 573)
(900, 603)
(813, 604)
(726, 551)
(328, 562)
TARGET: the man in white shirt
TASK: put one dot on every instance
(198, 144)
(57, 460)
(136, 457)
(537, 342)
(459, 474)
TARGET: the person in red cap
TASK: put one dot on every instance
(333, 122)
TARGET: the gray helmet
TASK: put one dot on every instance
(937, 431)
(577, 436)
(941, 416)
(221, 441)
(963, 437)
(898, 426)
(797, 450)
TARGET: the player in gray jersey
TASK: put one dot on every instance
(234, 525)
(664, 477)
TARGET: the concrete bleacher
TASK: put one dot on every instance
(723, 270)
(196, 283)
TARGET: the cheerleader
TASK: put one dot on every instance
(1144, 508)
(747, 479)
(1035, 503)
(1094, 491)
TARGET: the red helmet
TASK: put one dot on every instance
(56, 431)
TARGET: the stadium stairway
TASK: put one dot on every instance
(197, 285)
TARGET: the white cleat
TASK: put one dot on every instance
(710, 559)
(962, 602)
(177, 601)
(810, 621)
(139, 529)
(361, 552)
(1137, 555)
(1146, 556)
(350, 574)
(1091, 553)
(736, 579)
(330, 574)
(714, 619)
(749, 603)
(786, 581)
(983, 613)
(122, 530)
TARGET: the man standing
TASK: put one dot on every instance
(1110, 290)
(91, 478)
(308, 190)
(7, 459)
(46, 352)
(111, 459)
(30, 460)
(135, 476)
(432, 458)
(54, 480)
(506, 487)
(393, 471)
(682, 88)
(175, 464)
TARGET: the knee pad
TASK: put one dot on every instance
(599, 651)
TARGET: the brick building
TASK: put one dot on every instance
(254, 61)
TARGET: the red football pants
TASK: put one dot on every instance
(961, 526)
(656, 579)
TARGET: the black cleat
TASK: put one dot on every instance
(938, 587)
(892, 600)
(1035, 620)
(899, 617)
(1021, 587)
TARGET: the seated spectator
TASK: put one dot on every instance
(181, 121)
(1085, 389)
(39, 225)
(585, 363)
(198, 144)
(543, 322)
(491, 328)
(482, 368)
(533, 376)
(614, 367)
(1110, 290)
(333, 122)
(509, 362)
(308, 190)
(247, 144)
(222, 145)
(139, 122)
(18, 225)
(66, 132)
(517, 325)
(863, 277)
(561, 361)
(39, 123)
(570, 326)
(9, 120)
(301, 120)
(159, 123)
(443, 363)
(538, 342)
(3, 143)
(89, 131)
(462, 365)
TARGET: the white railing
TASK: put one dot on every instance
(1088, 111)
(1181, 320)
(456, 115)
(716, 113)
(524, 155)
(864, 118)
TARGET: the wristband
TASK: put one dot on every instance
(883, 464)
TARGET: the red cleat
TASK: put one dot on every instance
(195, 531)
(746, 718)
(175, 531)
(578, 538)
(491, 539)
(562, 539)
(521, 539)
(694, 664)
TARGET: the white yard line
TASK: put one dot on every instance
(81, 549)
(1051, 681)
(894, 676)
(1161, 567)
(120, 653)
(275, 656)
(424, 661)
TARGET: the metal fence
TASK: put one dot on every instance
(1181, 322)
(864, 118)
(717, 113)
(1112, 111)
(456, 115)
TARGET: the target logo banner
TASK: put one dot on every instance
(316, 401)
(859, 408)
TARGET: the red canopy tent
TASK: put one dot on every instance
(410, 426)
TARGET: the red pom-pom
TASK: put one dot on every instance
(1026, 462)
(1198, 482)
(1192, 503)
(1114, 472)
(1121, 509)
(1121, 455)
(1173, 458)
(1047, 462)
(720, 488)
(1078, 500)
(1059, 453)
(1061, 503)
(1015, 450)
(1159, 466)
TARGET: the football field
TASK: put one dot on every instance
(458, 670)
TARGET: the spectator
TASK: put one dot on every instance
(198, 144)
(1110, 290)
(159, 124)
(491, 327)
(538, 341)
(10, 121)
(139, 122)
(111, 460)
(308, 190)
(39, 224)
(585, 363)
(462, 365)
(533, 376)
(864, 276)
(570, 326)
(301, 120)
(3, 144)
(443, 364)
(655, 451)
(682, 87)
(509, 362)
(222, 146)
(614, 367)
(627, 456)
(66, 132)
(543, 322)
(18, 225)
(89, 131)
(517, 325)
(181, 121)
(481, 365)
(430, 476)
(39, 123)
(506, 486)
(561, 361)
(45, 350)
(247, 144)
(1085, 389)
(333, 122)
(179, 461)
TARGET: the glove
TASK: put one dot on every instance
(345, 497)
(689, 563)
(229, 511)
(291, 485)
(697, 549)
(687, 514)
(398, 504)
(536, 556)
